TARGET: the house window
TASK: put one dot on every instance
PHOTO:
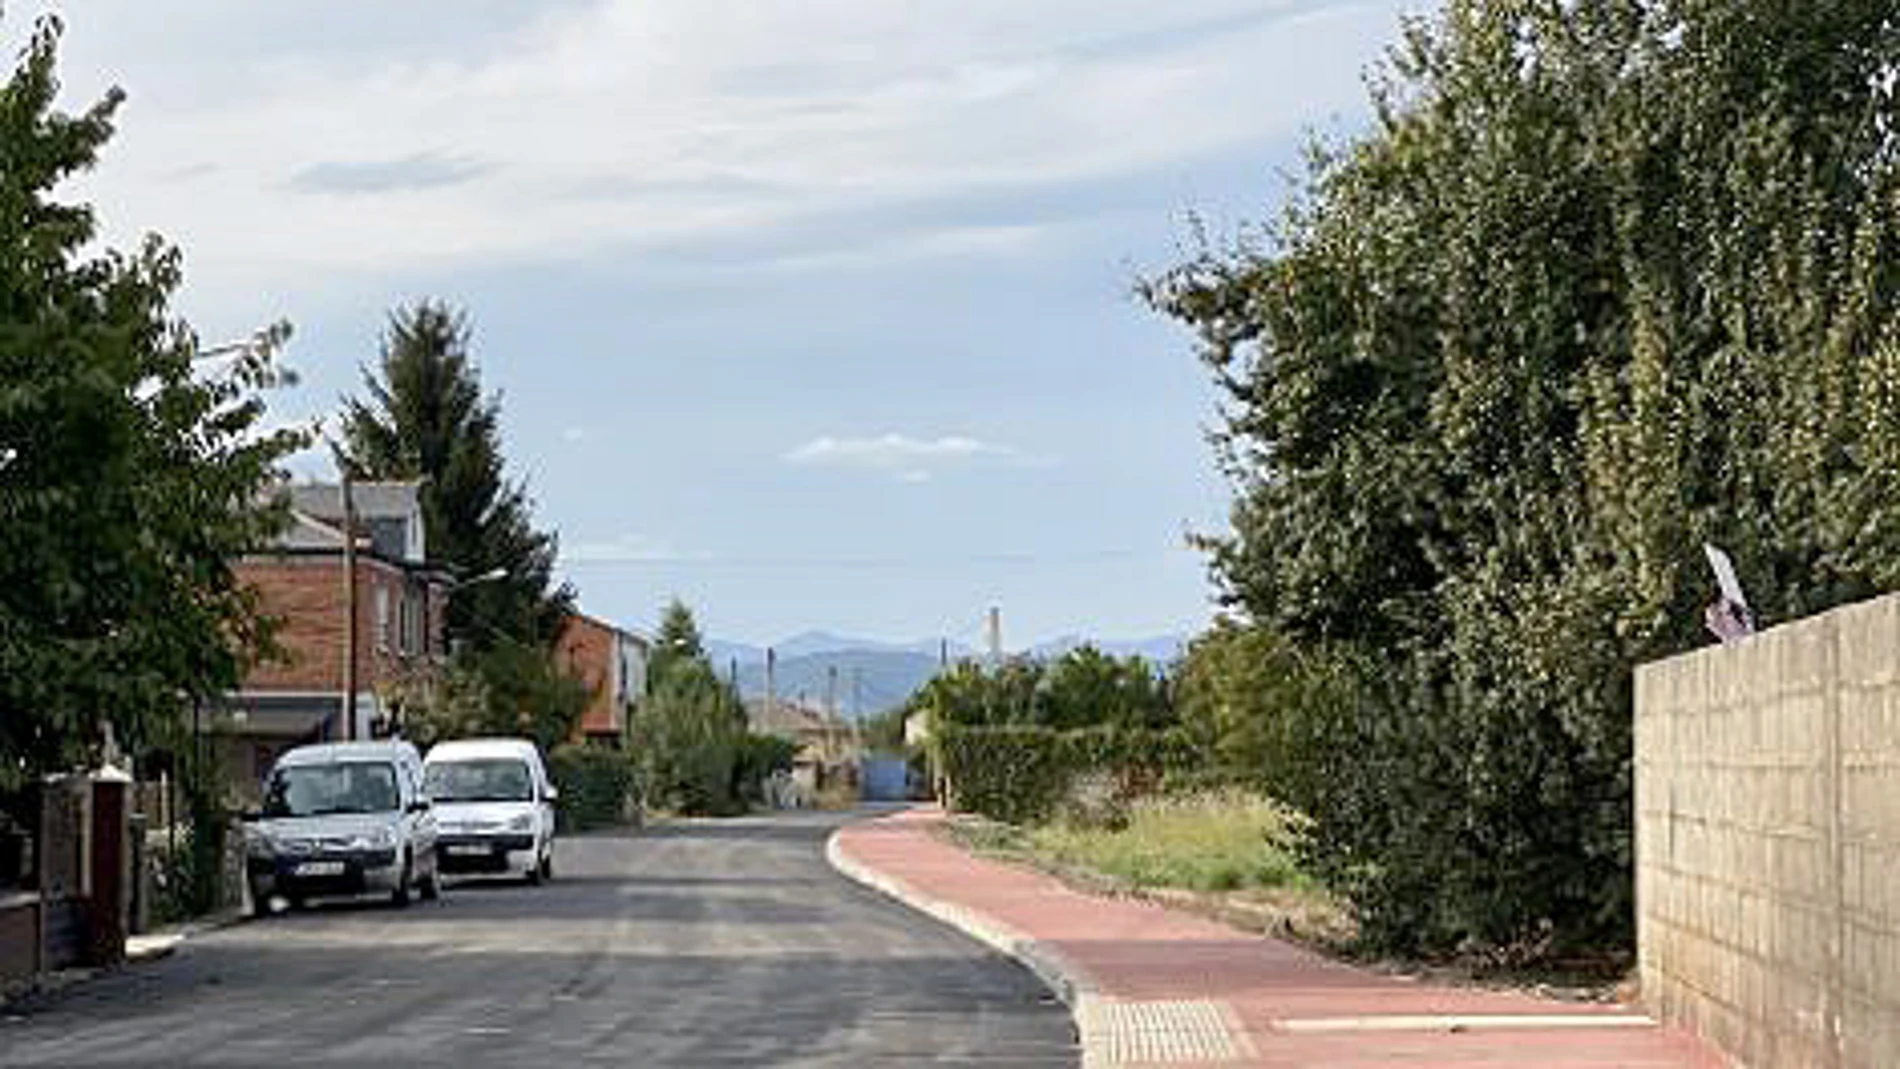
(382, 617)
(411, 623)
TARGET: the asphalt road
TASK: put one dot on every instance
(701, 943)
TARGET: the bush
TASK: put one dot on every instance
(759, 757)
(689, 735)
(1022, 774)
(596, 785)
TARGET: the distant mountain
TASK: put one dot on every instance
(867, 681)
(887, 673)
(812, 643)
(722, 653)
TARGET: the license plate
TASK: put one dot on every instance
(320, 868)
(468, 850)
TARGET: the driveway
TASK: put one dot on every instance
(698, 943)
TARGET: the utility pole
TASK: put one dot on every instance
(349, 605)
(857, 695)
(831, 707)
(943, 654)
(996, 637)
(771, 687)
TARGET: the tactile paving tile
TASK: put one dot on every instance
(1163, 1032)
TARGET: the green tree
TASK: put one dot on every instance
(884, 732)
(425, 417)
(1087, 688)
(957, 696)
(688, 741)
(691, 732)
(1272, 715)
(131, 476)
(1605, 281)
(511, 689)
(677, 642)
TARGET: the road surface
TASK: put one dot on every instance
(700, 943)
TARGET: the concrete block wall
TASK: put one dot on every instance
(1768, 841)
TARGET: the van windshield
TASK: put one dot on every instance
(315, 790)
(491, 780)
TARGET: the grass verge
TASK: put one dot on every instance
(1232, 857)
(1225, 854)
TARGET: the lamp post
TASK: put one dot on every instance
(350, 636)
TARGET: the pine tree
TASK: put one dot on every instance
(426, 418)
(677, 644)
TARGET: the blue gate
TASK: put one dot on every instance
(885, 779)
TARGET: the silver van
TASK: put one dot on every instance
(342, 819)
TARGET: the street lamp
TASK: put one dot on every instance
(227, 349)
(492, 575)
(489, 576)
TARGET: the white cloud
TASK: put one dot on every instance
(572, 435)
(912, 460)
(635, 124)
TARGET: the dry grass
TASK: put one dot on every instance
(1226, 854)
(1216, 841)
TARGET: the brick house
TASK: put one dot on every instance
(303, 584)
(612, 661)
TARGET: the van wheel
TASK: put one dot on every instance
(547, 865)
(400, 896)
(431, 888)
(533, 875)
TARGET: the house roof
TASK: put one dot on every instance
(577, 617)
(306, 533)
(783, 717)
(372, 500)
(390, 513)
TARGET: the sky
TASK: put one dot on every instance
(817, 314)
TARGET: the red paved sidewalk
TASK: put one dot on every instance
(1150, 982)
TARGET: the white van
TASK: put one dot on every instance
(494, 807)
(345, 818)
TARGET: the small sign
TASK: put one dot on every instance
(1725, 578)
(1728, 618)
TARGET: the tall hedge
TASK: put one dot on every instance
(1022, 773)
(1605, 280)
(597, 786)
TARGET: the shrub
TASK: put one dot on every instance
(759, 757)
(689, 734)
(596, 785)
(1022, 774)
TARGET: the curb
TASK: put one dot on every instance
(1077, 990)
(139, 950)
(152, 946)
